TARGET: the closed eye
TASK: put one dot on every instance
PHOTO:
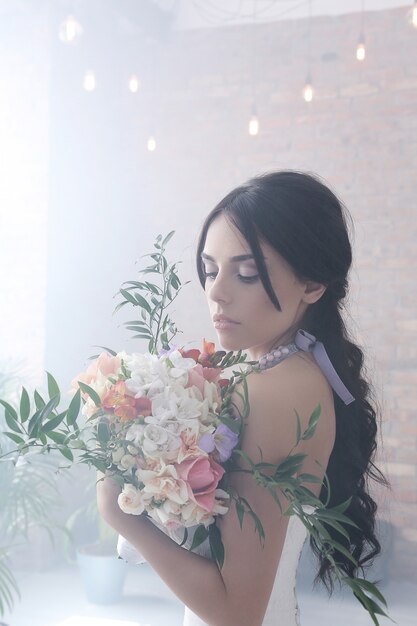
(244, 279)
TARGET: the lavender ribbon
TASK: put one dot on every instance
(307, 342)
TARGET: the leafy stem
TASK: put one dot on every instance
(154, 324)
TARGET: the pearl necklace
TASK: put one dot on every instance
(308, 343)
(277, 355)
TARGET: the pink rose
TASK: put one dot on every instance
(198, 374)
(105, 363)
(202, 476)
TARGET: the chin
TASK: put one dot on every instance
(227, 343)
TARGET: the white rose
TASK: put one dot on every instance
(127, 461)
(154, 434)
(135, 433)
(130, 500)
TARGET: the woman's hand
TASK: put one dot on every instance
(107, 493)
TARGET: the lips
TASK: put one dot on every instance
(224, 318)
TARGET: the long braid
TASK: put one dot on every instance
(351, 463)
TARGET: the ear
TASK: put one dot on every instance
(313, 292)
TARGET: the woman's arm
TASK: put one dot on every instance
(238, 594)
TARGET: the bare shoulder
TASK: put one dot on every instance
(296, 385)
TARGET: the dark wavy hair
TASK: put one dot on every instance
(305, 222)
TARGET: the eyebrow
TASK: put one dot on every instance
(234, 259)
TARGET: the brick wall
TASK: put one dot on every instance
(360, 134)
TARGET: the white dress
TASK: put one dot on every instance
(282, 607)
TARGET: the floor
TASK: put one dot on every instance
(57, 598)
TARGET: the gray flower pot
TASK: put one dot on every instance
(102, 574)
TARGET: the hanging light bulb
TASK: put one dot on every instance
(134, 83)
(89, 81)
(70, 30)
(360, 49)
(414, 14)
(253, 123)
(308, 85)
(253, 126)
(151, 144)
(308, 89)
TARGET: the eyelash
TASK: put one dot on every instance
(244, 279)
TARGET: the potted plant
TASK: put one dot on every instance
(29, 497)
(102, 572)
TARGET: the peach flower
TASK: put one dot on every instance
(105, 363)
(198, 374)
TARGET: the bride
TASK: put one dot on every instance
(273, 258)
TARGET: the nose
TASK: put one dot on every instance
(218, 289)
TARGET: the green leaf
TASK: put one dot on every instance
(137, 328)
(291, 464)
(338, 546)
(234, 425)
(103, 434)
(9, 408)
(119, 306)
(240, 512)
(370, 605)
(66, 452)
(112, 352)
(33, 423)
(312, 423)
(343, 506)
(53, 389)
(11, 422)
(99, 464)
(128, 296)
(258, 525)
(39, 401)
(244, 456)
(49, 407)
(134, 284)
(309, 478)
(93, 394)
(74, 408)
(56, 437)
(298, 432)
(154, 288)
(54, 422)
(24, 406)
(337, 515)
(339, 528)
(367, 585)
(43, 439)
(200, 535)
(168, 238)
(175, 281)
(216, 545)
(185, 537)
(15, 438)
(142, 303)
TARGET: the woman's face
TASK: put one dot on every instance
(234, 289)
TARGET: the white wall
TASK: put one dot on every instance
(24, 163)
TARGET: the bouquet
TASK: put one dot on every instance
(165, 426)
(160, 431)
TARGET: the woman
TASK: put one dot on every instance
(273, 258)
